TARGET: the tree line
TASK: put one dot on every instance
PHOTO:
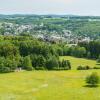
(30, 54)
(90, 50)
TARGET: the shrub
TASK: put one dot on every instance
(92, 79)
(40, 68)
(65, 64)
(5, 70)
(79, 68)
(96, 68)
(87, 67)
(29, 68)
(83, 68)
(98, 60)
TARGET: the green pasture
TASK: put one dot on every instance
(75, 62)
(50, 85)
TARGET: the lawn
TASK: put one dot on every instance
(49, 85)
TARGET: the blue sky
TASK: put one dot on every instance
(76, 7)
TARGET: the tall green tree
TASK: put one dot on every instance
(27, 63)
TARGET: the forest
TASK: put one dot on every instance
(29, 53)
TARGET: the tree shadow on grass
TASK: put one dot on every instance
(91, 86)
(98, 64)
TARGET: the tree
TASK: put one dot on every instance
(41, 61)
(98, 60)
(92, 80)
(8, 49)
(52, 63)
(88, 55)
(27, 63)
(66, 50)
(2, 68)
(10, 63)
(69, 64)
(78, 51)
(7, 65)
(66, 65)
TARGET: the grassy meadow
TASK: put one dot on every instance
(49, 85)
(75, 62)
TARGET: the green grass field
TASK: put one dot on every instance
(48, 85)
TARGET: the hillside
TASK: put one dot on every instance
(57, 85)
(63, 27)
(47, 85)
(75, 62)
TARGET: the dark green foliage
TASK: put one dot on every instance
(79, 68)
(41, 61)
(38, 62)
(92, 48)
(5, 70)
(96, 68)
(88, 55)
(8, 49)
(27, 63)
(87, 67)
(28, 53)
(78, 51)
(83, 68)
(69, 64)
(7, 64)
(98, 60)
(52, 63)
(65, 65)
(92, 79)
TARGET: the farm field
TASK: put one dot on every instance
(48, 85)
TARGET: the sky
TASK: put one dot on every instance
(74, 7)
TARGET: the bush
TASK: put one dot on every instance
(66, 65)
(5, 70)
(87, 67)
(83, 68)
(96, 68)
(40, 68)
(29, 68)
(79, 68)
(92, 79)
(98, 60)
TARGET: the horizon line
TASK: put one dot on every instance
(48, 14)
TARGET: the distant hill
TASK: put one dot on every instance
(84, 26)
